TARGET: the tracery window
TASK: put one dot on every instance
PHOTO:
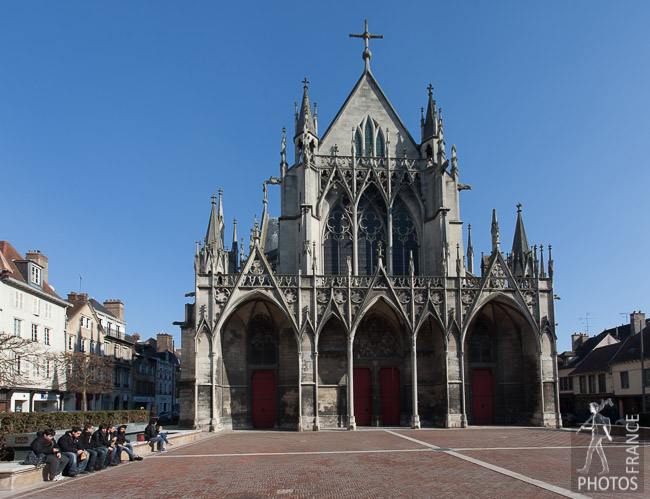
(405, 241)
(380, 143)
(262, 341)
(357, 143)
(338, 241)
(480, 344)
(372, 230)
(368, 135)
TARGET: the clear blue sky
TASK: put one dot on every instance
(119, 120)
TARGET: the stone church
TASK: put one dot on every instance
(361, 304)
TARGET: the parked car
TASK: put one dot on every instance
(164, 417)
(569, 420)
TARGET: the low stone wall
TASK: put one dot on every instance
(14, 476)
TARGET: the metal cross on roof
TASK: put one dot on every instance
(366, 36)
(305, 82)
(430, 89)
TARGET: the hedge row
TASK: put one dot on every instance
(28, 422)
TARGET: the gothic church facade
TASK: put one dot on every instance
(360, 305)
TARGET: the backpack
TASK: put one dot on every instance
(34, 459)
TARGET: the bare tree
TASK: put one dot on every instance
(87, 374)
(17, 354)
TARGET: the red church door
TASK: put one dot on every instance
(263, 395)
(389, 393)
(362, 396)
(482, 396)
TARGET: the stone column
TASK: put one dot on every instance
(300, 416)
(213, 387)
(316, 419)
(415, 417)
(352, 425)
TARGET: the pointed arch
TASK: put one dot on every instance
(372, 303)
(380, 149)
(358, 145)
(406, 240)
(371, 223)
(258, 337)
(501, 355)
(368, 133)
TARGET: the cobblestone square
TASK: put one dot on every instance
(377, 462)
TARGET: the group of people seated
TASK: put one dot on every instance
(86, 451)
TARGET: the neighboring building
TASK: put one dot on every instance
(626, 367)
(156, 374)
(592, 378)
(32, 310)
(360, 304)
(120, 345)
(144, 375)
(607, 365)
(100, 329)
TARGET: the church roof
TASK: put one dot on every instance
(368, 78)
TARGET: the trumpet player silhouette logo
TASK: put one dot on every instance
(600, 428)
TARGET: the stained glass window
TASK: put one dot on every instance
(368, 134)
(380, 143)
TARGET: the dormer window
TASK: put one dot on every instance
(36, 274)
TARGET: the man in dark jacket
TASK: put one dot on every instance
(85, 441)
(151, 434)
(44, 444)
(124, 444)
(72, 449)
(102, 445)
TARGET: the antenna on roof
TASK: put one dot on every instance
(80, 279)
(585, 322)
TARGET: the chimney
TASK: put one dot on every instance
(637, 321)
(38, 259)
(165, 342)
(577, 339)
(136, 337)
(115, 307)
(77, 298)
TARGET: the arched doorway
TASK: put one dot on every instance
(381, 370)
(502, 370)
(258, 375)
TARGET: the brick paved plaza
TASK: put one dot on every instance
(381, 462)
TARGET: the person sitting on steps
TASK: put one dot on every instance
(152, 434)
(44, 444)
(123, 444)
(72, 448)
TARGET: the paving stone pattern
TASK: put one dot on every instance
(332, 464)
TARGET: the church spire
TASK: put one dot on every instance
(430, 128)
(521, 254)
(495, 232)
(306, 138)
(215, 224)
(305, 122)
